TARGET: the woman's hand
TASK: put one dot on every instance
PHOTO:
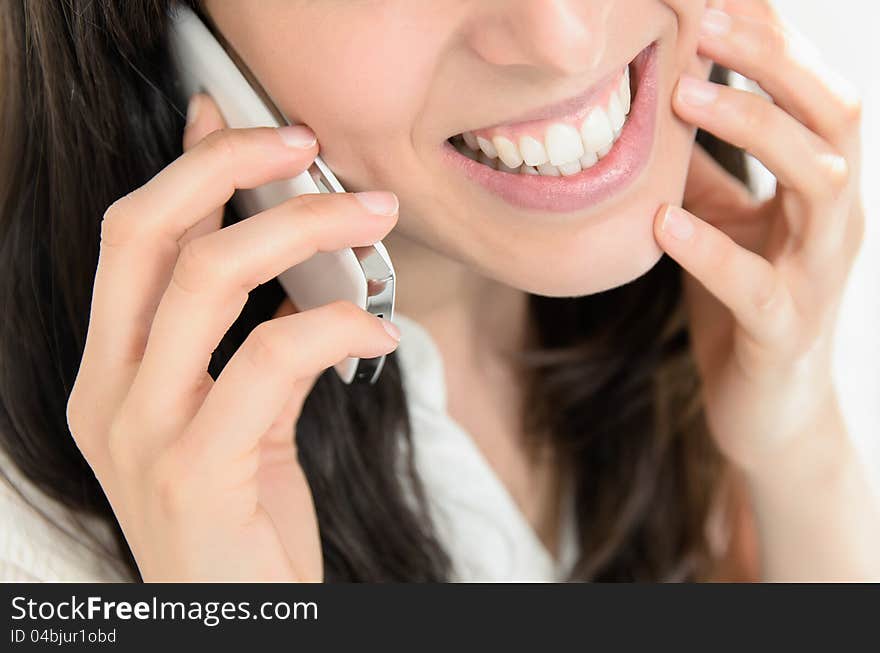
(203, 475)
(764, 287)
(767, 278)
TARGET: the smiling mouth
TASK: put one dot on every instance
(573, 154)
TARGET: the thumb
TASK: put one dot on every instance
(202, 117)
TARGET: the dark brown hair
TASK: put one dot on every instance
(89, 112)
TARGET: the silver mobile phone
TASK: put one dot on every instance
(206, 63)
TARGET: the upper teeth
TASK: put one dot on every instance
(564, 149)
(533, 151)
(564, 144)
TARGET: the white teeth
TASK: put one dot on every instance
(487, 161)
(563, 144)
(625, 93)
(572, 168)
(596, 130)
(615, 114)
(507, 152)
(533, 152)
(565, 150)
(487, 147)
(588, 160)
(548, 170)
(471, 141)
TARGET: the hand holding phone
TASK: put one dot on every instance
(203, 474)
(363, 275)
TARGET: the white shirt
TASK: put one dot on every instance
(479, 524)
(476, 519)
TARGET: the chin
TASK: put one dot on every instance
(596, 260)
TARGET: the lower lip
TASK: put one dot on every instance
(609, 176)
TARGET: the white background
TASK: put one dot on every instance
(845, 31)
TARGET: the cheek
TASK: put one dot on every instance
(362, 92)
(688, 14)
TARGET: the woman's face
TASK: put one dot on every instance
(386, 84)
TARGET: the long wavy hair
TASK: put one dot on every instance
(87, 116)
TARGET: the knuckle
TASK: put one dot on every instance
(220, 143)
(836, 173)
(774, 43)
(82, 429)
(768, 296)
(265, 346)
(198, 266)
(343, 310)
(311, 208)
(308, 201)
(755, 114)
(853, 109)
(116, 226)
(74, 413)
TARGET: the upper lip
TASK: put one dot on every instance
(568, 105)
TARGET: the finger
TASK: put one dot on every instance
(202, 117)
(215, 273)
(140, 232)
(710, 186)
(741, 280)
(798, 158)
(788, 68)
(261, 377)
(757, 9)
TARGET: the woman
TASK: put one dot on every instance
(565, 402)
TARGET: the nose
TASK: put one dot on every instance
(562, 36)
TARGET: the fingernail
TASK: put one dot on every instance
(677, 224)
(715, 23)
(696, 91)
(297, 136)
(192, 109)
(378, 202)
(391, 329)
